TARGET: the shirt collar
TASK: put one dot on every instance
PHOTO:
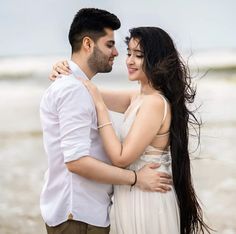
(76, 70)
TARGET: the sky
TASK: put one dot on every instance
(31, 27)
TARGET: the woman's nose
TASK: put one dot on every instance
(130, 60)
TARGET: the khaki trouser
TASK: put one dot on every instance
(76, 227)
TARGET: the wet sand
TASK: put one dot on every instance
(23, 161)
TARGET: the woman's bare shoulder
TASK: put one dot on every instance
(153, 101)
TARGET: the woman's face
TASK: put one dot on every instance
(134, 61)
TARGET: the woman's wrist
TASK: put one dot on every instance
(105, 124)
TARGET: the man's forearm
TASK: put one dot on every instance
(96, 170)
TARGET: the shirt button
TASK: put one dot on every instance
(70, 216)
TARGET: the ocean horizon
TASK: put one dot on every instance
(25, 66)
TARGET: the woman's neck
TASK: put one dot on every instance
(147, 89)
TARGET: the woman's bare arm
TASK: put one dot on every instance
(144, 128)
(146, 125)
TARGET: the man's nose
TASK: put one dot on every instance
(115, 52)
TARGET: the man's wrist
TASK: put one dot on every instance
(134, 181)
(138, 179)
(135, 178)
(130, 177)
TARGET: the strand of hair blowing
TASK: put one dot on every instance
(174, 82)
(167, 73)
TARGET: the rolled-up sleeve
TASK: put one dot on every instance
(75, 117)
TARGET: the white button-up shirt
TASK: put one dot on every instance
(69, 124)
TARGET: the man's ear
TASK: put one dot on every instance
(88, 44)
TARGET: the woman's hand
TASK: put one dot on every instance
(61, 67)
(95, 93)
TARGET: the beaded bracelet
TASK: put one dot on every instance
(105, 124)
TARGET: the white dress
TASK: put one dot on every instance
(140, 212)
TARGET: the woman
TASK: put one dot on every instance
(155, 129)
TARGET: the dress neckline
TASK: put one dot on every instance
(130, 110)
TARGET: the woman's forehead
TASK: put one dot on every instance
(134, 44)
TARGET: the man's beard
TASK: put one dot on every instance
(99, 62)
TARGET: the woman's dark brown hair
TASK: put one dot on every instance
(168, 74)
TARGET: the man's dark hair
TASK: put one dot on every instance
(91, 22)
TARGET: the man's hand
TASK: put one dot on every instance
(149, 179)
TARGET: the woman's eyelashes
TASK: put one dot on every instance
(139, 56)
(135, 55)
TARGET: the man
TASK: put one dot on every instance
(77, 193)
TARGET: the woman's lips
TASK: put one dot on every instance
(132, 70)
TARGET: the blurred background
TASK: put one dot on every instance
(34, 36)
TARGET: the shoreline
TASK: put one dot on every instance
(23, 161)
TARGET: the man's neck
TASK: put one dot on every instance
(82, 63)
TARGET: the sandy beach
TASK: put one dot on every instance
(23, 161)
(33, 40)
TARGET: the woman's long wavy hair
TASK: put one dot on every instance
(167, 73)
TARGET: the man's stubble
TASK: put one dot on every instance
(99, 62)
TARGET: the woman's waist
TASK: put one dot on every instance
(164, 160)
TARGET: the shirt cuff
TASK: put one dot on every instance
(75, 154)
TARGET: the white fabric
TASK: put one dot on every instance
(139, 212)
(165, 108)
(69, 124)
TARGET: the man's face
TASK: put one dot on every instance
(104, 52)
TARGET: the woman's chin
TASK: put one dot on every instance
(131, 78)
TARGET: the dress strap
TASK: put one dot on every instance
(165, 108)
(133, 108)
(164, 116)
